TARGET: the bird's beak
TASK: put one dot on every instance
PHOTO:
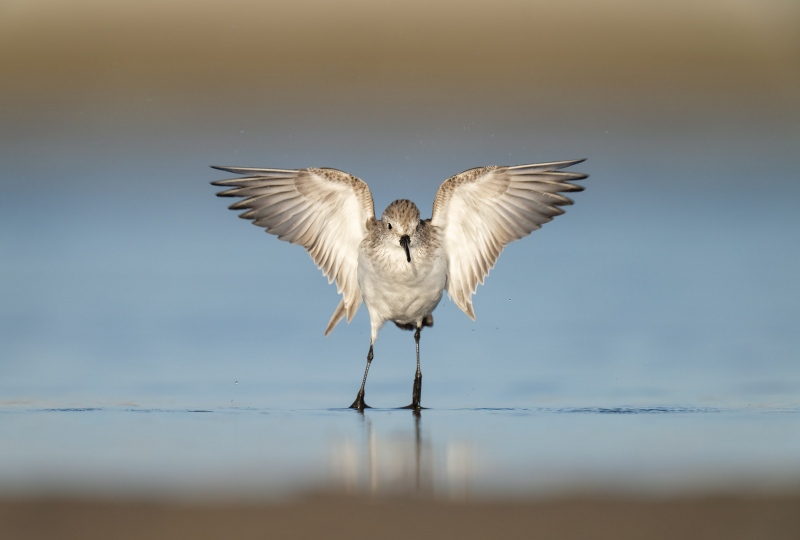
(404, 240)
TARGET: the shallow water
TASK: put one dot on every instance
(162, 347)
(250, 452)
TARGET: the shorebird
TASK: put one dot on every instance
(400, 265)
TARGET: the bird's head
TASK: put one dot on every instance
(400, 221)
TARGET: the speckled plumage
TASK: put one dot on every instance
(400, 265)
(395, 288)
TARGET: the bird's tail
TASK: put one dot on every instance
(338, 315)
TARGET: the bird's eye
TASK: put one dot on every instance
(390, 226)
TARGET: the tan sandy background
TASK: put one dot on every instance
(347, 516)
(611, 58)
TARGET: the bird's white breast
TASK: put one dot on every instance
(397, 290)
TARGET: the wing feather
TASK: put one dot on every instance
(324, 210)
(481, 210)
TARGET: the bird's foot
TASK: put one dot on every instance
(415, 406)
(359, 404)
(416, 394)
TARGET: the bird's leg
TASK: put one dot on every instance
(416, 393)
(359, 403)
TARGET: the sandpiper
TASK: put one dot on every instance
(400, 265)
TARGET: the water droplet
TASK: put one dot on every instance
(237, 382)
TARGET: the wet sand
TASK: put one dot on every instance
(356, 516)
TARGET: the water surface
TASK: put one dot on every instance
(248, 452)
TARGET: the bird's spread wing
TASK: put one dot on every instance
(481, 210)
(324, 210)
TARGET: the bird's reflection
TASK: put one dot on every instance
(403, 461)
